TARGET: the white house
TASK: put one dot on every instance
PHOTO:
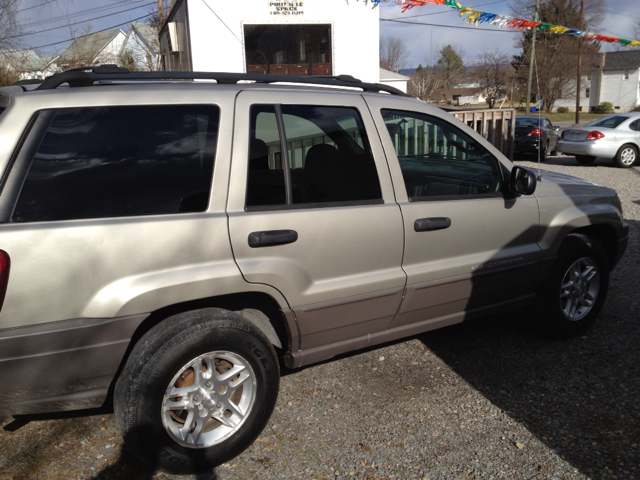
(27, 64)
(612, 77)
(93, 49)
(394, 79)
(142, 43)
(295, 37)
(618, 80)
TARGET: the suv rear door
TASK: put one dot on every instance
(323, 228)
(468, 245)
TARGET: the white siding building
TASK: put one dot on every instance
(614, 77)
(619, 80)
(302, 37)
(141, 42)
(93, 49)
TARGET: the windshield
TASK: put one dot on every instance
(528, 122)
(609, 122)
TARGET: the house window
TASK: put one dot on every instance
(626, 75)
(302, 49)
(588, 92)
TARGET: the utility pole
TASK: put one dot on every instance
(532, 61)
(579, 86)
(160, 12)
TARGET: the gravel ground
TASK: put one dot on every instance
(486, 400)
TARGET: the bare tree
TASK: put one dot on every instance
(494, 74)
(423, 84)
(394, 53)
(9, 27)
(556, 55)
(449, 68)
(567, 10)
(9, 32)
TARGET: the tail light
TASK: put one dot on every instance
(5, 264)
(562, 135)
(595, 135)
(536, 133)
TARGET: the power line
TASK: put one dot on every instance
(447, 26)
(98, 31)
(83, 21)
(81, 13)
(36, 6)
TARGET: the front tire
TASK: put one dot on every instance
(585, 159)
(573, 295)
(626, 156)
(196, 391)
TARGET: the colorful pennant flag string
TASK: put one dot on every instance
(476, 17)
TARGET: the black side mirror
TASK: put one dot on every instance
(522, 181)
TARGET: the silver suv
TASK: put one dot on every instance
(166, 241)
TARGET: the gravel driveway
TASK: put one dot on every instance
(486, 400)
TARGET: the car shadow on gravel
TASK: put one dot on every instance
(126, 465)
(581, 397)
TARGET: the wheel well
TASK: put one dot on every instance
(234, 302)
(606, 236)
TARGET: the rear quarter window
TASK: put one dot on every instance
(121, 161)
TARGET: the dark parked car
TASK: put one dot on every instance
(536, 134)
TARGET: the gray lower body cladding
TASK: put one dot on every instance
(64, 365)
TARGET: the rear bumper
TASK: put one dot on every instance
(527, 146)
(590, 148)
(66, 365)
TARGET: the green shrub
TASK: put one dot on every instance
(563, 110)
(605, 107)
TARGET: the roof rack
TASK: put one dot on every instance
(87, 76)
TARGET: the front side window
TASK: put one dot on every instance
(121, 161)
(327, 158)
(439, 160)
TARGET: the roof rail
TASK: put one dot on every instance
(87, 76)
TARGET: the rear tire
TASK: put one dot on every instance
(196, 391)
(543, 153)
(626, 156)
(572, 296)
(585, 159)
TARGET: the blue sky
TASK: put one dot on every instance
(619, 21)
(53, 21)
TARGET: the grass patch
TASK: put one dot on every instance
(566, 117)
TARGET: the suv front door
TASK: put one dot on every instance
(469, 246)
(312, 212)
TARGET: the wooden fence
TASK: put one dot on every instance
(496, 125)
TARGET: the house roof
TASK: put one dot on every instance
(389, 76)
(26, 60)
(89, 45)
(146, 31)
(623, 60)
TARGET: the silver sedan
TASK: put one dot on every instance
(616, 136)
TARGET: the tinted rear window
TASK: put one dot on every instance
(608, 122)
(121, 161)
(528, 122)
